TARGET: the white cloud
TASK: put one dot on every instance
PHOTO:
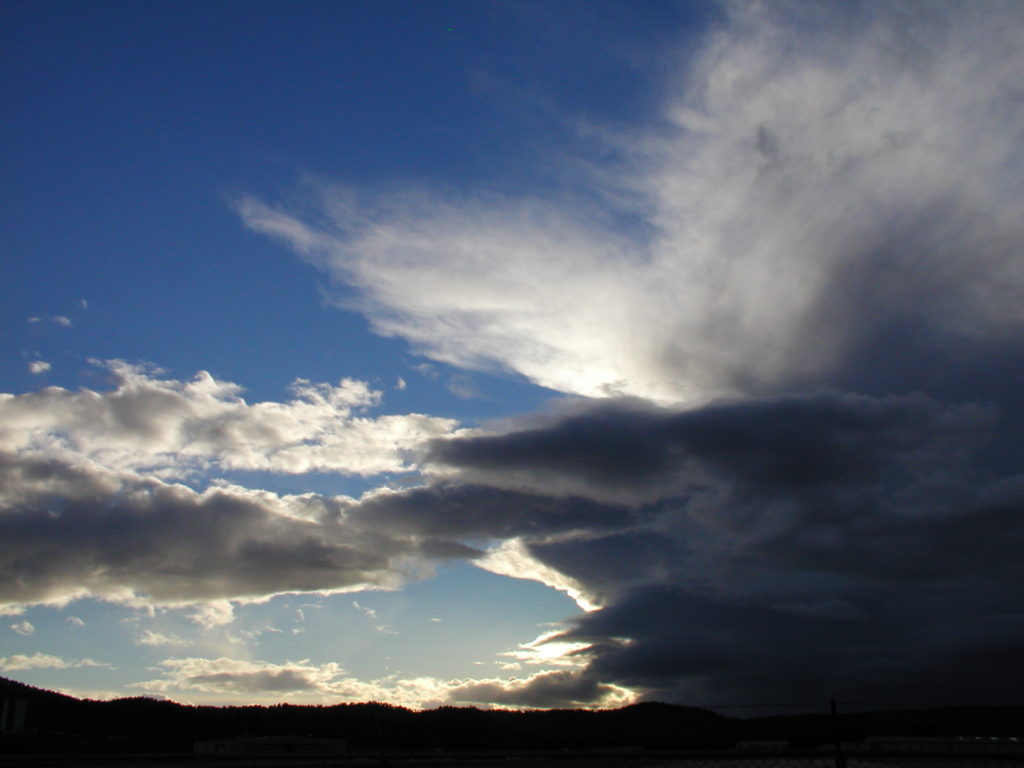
(822, 174)
(61, 320)
(548, 650)
(224, 679)
(37, 367)
(93, 694)
(75, 621)
(172, 427)
(149, 637)
(215, 613)
(19, 662)
(23, 628)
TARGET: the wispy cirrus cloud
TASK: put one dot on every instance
(823, 177)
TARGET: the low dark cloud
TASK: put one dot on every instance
(726, 650)
(631, 450)
(816, 545)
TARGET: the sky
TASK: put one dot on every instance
(513, 354)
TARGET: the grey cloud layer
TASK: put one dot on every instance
(637, 451)
(827, 181)
(75, 530)
(86, 507)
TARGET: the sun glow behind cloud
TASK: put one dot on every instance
(820, 177)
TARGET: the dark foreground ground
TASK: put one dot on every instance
(43, 729)
(853, 756)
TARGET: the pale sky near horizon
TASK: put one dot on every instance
(512, 353)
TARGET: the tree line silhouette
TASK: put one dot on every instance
(54, 722)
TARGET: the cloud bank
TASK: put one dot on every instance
(73, 528)
(172, 428)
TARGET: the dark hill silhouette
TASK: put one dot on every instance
(55, 722)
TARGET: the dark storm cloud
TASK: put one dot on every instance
(699, 649)
(808, 544)
(460, 511)
(634, 451)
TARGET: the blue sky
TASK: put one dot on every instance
(353, 347)
(130, 133)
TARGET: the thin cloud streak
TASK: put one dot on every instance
(20, 662)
